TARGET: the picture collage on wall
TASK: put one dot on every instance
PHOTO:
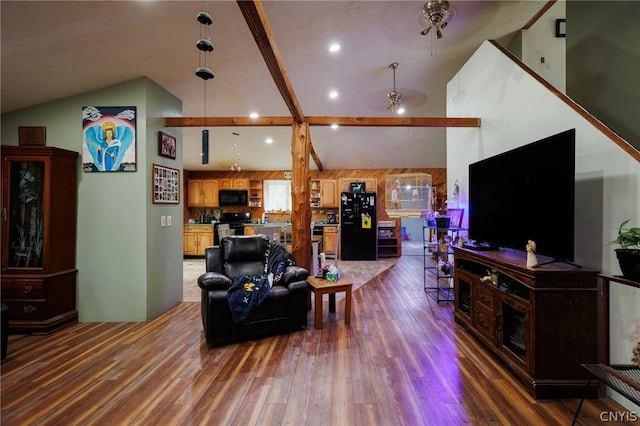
(166, 185)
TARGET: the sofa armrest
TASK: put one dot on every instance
(294, 273)
(214, 281)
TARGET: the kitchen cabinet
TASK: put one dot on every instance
(202, 193)
(329, 240)
(329, 193)
(371, 184)
(249, 230)
(39, 211)
(324, 193)
(539, 322)
(255, 193)
(196, 239)
(228, 183)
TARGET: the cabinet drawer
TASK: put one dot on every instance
(485, 322)
(486, 297)
(23, 289)
(27, 309)
(29, 289)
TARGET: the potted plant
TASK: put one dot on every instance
(629, 252)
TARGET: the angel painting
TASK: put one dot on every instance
(109, 139)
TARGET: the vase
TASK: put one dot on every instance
(629, 261)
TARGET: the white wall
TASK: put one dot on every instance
(129, 269)
(515, 109)
(540, 43)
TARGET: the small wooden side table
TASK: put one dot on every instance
(320, 286)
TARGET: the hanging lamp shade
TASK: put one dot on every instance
(204, 18)
(204, 73)
(204, 45)
(205, 147)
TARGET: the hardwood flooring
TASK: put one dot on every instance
(402, 361)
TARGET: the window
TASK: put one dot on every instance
(277, 195)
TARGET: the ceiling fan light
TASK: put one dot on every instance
(426, 30)
(204, 73)
(438, 33)
(204, 45)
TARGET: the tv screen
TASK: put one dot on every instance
(526, 194)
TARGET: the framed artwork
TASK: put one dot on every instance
(166, 145)
(166, 185)
(561, 27)
(109, 139)
(456, 217)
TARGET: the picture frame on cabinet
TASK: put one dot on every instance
(456, 217)
(34, 136)
(166, 185)
(166, 145)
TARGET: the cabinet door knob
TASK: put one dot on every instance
(28, 289)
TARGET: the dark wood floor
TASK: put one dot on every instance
(402, 361)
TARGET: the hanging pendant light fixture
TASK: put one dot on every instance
(235, 148)
(394, 96)
(205, 47)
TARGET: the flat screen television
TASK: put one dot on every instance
(524, 194)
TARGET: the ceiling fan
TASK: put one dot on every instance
(435, 14)
(394, 96)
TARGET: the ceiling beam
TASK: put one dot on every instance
(323, 121)
(394, 121)
(256, 18)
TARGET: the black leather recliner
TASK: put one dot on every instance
(283, 310)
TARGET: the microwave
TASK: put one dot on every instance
(233, 197)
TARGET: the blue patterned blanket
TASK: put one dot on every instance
(248, 291)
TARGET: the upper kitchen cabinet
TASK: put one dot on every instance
(228, 183)
(371, 184)
(202, 193)
(329, 193)
(324, 193)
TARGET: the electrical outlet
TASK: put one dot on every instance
(168, 220)
(163, 221)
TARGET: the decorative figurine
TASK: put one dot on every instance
(532, 260)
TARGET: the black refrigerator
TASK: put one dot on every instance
(358, 228)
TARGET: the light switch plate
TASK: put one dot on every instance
(168, 220)
(163, 221)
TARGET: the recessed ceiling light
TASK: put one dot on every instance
(269, 140)
(334, 126)
(254, 115)
(400, 111)
(334, 47)
(333, 94)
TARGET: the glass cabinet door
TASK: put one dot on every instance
(24, 212)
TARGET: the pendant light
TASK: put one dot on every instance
(205, 47)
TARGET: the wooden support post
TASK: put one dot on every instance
(300, 205)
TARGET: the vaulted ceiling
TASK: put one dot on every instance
(54, 49)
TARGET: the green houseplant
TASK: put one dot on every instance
(629, 252)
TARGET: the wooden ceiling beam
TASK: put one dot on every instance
(323, 121)
(394, 121)
(256, 18)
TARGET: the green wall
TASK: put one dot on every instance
(129, 268)
(603, 62)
